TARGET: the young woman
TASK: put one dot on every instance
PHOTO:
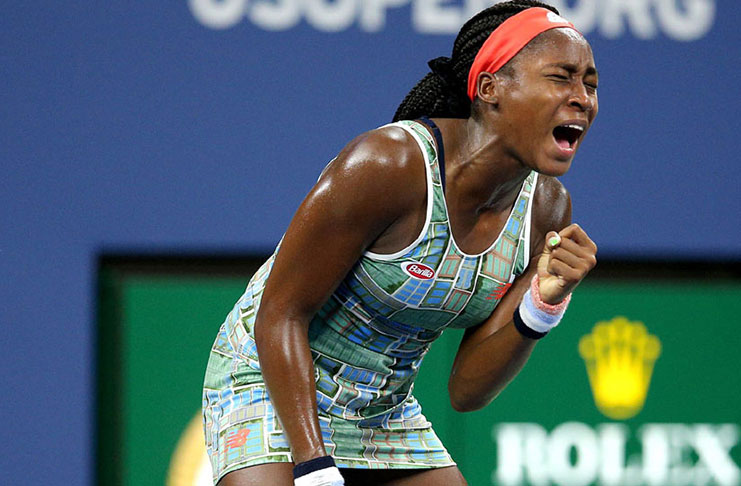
(452, 220)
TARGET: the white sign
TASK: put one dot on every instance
(682, 20)
(576, 454)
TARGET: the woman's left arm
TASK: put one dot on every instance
(492, 354)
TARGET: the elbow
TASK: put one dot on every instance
(468, 402)
(279, 333)
(268, 333)
(462, 406)
(466, 405)
(463, 397)
(261, 334)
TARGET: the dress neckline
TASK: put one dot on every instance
(440, 152)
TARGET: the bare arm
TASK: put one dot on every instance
(492, 354)
(362, 194)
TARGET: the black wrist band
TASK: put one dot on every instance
(523, 329)
(312, 465)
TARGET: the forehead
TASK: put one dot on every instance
(557, 46)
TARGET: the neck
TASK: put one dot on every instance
(481, 175)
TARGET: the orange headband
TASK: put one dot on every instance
(509, 38)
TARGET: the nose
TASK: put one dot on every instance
(580, 98)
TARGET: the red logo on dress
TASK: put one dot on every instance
(238, 439)
(418, 270)
(499, 292)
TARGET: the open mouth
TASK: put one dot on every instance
(567, 135)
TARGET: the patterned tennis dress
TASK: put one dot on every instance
(367, 342)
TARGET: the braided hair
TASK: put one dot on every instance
(442, 92)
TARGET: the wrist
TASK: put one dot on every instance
(554, 308)
(306, 455)
(308, 467)
(319, 471)
(535, 318)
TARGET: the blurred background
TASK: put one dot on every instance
(153, 153)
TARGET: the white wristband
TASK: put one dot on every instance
(329, 476)
(534, 318)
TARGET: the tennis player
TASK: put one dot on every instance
(450, 217)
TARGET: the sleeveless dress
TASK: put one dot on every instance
(367, 343)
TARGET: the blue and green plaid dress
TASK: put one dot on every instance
(367, 341)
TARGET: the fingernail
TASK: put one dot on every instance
(554, 241)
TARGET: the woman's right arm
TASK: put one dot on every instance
(364, 192)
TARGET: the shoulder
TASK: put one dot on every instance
(381, 171)
(388, 147)
(551, 207)
(386, 160)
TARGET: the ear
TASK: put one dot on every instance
(488, 86)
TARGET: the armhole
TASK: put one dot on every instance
(430, 199)
(527, 231)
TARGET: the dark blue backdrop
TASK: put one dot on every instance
(139, 127)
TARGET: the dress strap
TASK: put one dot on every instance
(440, 148)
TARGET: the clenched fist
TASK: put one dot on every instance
(566, 259)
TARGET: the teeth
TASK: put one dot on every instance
(575, 127)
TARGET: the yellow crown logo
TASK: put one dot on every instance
(620, 357)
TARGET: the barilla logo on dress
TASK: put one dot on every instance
(418, 270)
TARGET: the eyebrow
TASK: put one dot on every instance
(572, 68)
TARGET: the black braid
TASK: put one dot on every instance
(442, 93)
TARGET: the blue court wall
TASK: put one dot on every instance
(197, 126)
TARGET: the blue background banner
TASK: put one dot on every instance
(198, 126)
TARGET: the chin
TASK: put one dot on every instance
(554, 168)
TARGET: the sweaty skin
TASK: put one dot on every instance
(373, 197)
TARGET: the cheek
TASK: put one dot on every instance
(534, 104)
(527, 111)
